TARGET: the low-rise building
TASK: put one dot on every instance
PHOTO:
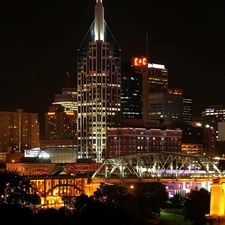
(33, 166)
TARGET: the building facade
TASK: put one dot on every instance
(157, 100)
(33, 166)
(60, 123)
(60, 150)
(187, 109)
(82, 166)
(214, 137)
(187, 104)
(98, 87)
(68, 99)
(131, 93)
(125, 141)
(18, 131)
(154, 80)
(166, 107)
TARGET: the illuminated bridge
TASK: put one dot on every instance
(157, 166)
(177, 171)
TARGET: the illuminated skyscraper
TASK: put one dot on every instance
(98, 87)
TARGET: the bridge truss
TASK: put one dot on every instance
(156, 165)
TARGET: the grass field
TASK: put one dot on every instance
(172, 219)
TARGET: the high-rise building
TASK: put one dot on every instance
(131, 93)
(61, 118)
(187, 108)
(60, 124)
(166, 107)
(98, 87)
(156, 74)
(154, 80)
(158, 78)
(187, 104)
(18, 131)
(213, 117)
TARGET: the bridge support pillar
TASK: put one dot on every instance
(217, 203)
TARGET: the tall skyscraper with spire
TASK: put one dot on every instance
(98, 87)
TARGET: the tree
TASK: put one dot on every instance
(81, 202)
(14, 189)
(12, 213)
(196, 206)
(177, 201)
(114, 194)
(149, 199)
(143, 200)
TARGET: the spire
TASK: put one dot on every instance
(99, 21)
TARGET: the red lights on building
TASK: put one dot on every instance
(139, 61)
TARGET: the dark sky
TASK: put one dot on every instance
(39, 40)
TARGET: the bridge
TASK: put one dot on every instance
(157, 166)
(171, 168)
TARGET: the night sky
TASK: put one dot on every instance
(39, 41)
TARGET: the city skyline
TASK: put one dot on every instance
(39, 46)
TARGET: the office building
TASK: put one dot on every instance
(128, 140)
(213, 118)
(131, 93)
(98, 87)
(59, 123)
(159, 102)
(154, 80)
(166, 107)
(61, 118)
(192, 138)
(18, 131)
(187, 109)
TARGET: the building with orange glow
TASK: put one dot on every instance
(124, 141)
(18, 131)
(33, 166)
(60, 191)
(192, 148)
(59, 123)
(217, 203)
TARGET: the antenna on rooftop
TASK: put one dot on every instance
(67, 79)
(147, 45)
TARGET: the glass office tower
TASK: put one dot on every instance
(98, 87)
